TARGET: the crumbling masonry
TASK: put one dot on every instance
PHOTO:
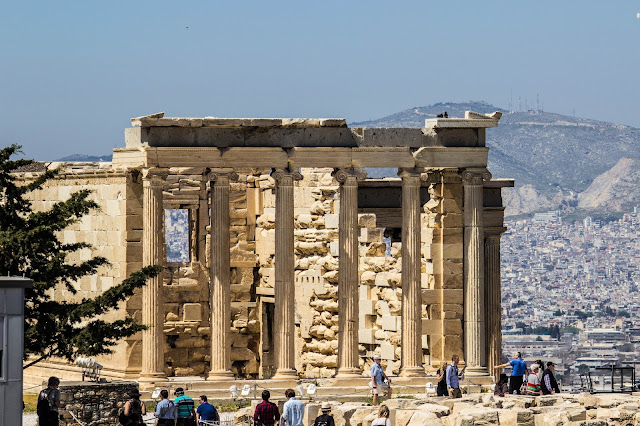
(295, 263)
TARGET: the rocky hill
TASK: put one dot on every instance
(614, 190)
(553, 157)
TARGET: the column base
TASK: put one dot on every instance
(476, 371)
(285, 374)
(348, 372)
(149, 380)
(220, 374)
(414, 371)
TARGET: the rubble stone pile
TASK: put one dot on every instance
(483, 409)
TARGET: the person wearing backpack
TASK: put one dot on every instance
(166, 412)
(49, 404)
(441, 376)
(185, 406)
(133, 410)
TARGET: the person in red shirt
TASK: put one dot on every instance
(266, 413)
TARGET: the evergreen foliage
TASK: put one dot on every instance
(30, 246)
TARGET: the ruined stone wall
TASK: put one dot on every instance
(114, 231)
(444, 295)
(187, 285)
(316, 248)
(94, 404)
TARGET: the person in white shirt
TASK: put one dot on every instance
(293, 409)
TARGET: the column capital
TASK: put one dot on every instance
(285, 176)
(475, 176)
(222, 177)
(406, 173)
(494, 232)
(343, 175)
(154, 176)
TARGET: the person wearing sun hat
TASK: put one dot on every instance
(134, 409)
(325, 419)
(378, 379)
(185, 404)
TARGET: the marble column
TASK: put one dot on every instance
(411, 349)
(493, 298)
(474, 298)
(348, 282)
(152, 254)
(219, 271)
(284, 327)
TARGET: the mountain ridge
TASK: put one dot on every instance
(552, 157)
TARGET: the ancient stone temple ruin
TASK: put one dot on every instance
(283, 259)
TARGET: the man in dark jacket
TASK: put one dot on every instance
(549, 385)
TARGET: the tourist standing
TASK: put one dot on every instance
(549, 385)
(383, 417)
(541, 369)
(453, 378)
(206, 411)
(378, 379)
(133, 410)
(325, 419)
(166, 412)
(49, 403)
(533, 382)
(518, 369)
(293, 409)
(441, 376)
(186, 411)
(267, 412)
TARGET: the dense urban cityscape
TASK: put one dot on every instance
(570, 293)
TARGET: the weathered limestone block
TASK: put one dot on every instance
(366, 336)
(360, 416)
(242, 354)
(325, 305)
(376, 249)
(331, 277)
(342, 414)
(367, 220)
(421, 418)
(395, 307)
(331, 221)
(310, 248)
(192, 312)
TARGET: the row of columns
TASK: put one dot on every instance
(348, 358)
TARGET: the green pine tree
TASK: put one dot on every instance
(29, 246)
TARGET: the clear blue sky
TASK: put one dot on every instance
(72, 73)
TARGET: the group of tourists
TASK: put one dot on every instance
(179, 412)
(268, 414)
(539, 380)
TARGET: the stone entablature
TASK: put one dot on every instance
(288, 274)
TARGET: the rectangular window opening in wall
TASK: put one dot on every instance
(177, 235)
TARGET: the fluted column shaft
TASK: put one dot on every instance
(348, 360)
(152, 254)
(219, 267)
(474, 297)
(284, 333)
(411, 349)
(493, 299)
